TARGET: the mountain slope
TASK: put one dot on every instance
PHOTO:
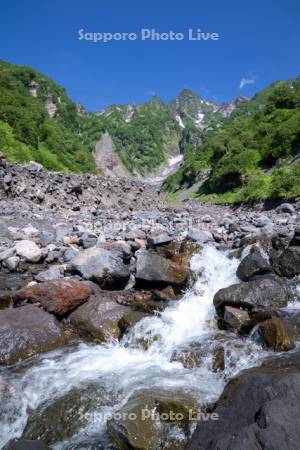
(249, 157)
(38, 121)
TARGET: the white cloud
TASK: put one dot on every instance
(245, 81)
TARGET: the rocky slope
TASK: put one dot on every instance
(137, 304)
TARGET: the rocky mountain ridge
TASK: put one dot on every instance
(51, 129)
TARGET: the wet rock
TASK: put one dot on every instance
(66, 415)
(165, 294)
(254, 295)
(143, 433)
(101, 266)
(295, 242)
(26, 331)
(58, 297)
(99, 318)
(258, 410)
(131, 318)
(288, 263)
(28, 250)
(253, 264)
(274, 335)
(201, 236)
(235, 319)
(25, 444)
(218, 359)
(154, 268)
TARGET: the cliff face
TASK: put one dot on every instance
(107, 162)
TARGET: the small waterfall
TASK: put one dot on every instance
(143, 358)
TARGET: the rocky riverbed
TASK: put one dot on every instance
(113, 304)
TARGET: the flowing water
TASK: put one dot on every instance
(143, 359)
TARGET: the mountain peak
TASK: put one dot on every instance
(187, 93)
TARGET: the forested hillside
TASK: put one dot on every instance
(254, 154)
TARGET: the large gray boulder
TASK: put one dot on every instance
(101, 266)
(288, 263)
(26, 331)
(254, 295)
(253, 264)
(258, 410)
(202, 236)
(99, 318)
(153, 268)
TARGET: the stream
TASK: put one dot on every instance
(142, 359)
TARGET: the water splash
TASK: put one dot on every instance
(120, 368)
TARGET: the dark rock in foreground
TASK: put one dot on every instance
(26, 331)
(258, 410)
(143, 433)
(254, 295)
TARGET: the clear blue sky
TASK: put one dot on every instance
(259, 41)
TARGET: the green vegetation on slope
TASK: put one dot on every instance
(26, 130)
(144, 142)
(248, 157)
(65, 142)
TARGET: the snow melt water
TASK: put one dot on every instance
(143, 359)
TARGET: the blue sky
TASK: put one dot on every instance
(259, 42)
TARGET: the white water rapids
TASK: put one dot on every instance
(121, 368)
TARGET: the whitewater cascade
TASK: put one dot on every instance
(142, 359)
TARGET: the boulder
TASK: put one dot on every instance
(101, 266)
(235, 319)
(131, 318)
(201, 236)
(99, 318)
(286, 208)
(12, 263)
(58, 297)
(148, 408)
(154, 268)
(288, 263)
(254, 295)
(63, 417)
(274, 335)
(295, 242)
(53, 273)
(253, 264)
(26, 331)
(28, 250)
(25, 444)
(258, 410)
(8, 253)
(158, 238)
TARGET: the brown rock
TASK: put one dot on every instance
(235, 318)
(274, 335)
(58, 297)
